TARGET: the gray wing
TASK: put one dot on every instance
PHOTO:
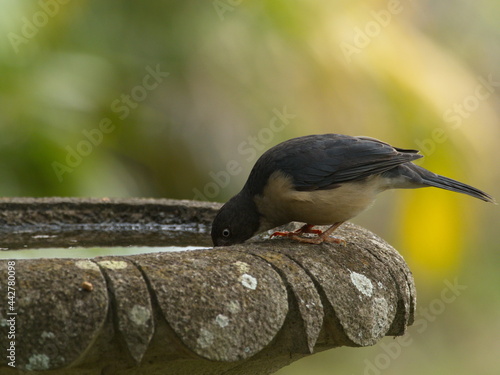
(324, 161)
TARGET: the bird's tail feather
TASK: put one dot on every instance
(432, 179)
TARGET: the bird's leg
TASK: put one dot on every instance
(323, 237)
(307, 228)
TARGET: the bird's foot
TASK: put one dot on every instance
(304, 229)
(322, 236)
(281, 234)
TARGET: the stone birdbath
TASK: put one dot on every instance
(246, 309)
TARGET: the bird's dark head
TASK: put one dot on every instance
(236, 221)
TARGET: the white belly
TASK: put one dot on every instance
(280, 203)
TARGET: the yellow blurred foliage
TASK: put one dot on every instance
(431, 233)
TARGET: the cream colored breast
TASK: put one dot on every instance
(280, 203)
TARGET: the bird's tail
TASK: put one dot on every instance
(428, 178)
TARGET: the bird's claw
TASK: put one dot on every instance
(281, 234)
(320, 238)
(304, 229)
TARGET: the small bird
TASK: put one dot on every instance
(323, 179)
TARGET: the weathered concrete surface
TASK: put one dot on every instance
(64, 222)
(245, 309)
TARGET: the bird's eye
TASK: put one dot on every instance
(226, 232)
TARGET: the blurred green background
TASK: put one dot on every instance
(178, 99)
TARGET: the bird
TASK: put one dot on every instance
(322, 179)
